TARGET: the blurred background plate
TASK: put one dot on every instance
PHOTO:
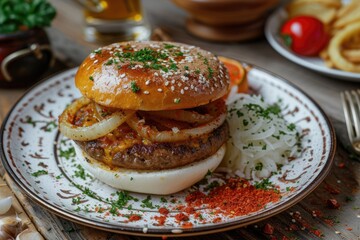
(272, 29)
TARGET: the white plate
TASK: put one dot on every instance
(30, 142)
(272, 29)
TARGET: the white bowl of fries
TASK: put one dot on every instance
(341, 58)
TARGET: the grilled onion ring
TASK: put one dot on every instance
(183, 116)
(94, 131)
(176, 134)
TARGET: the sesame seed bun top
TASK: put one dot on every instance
(152, 76)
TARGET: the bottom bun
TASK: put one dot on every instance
(160, 182)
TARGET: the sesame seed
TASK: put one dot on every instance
(172, 88)
(160, 90)
(146, 92)
(182, 91)
(147, 82)
(186, 88)
(125, 86)
(122, 75)
(175, 129)
(156, 74)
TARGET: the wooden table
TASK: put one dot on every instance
(302, 221)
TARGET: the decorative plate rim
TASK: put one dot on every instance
(279, 48)
(185, 232)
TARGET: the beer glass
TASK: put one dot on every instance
(108, 21)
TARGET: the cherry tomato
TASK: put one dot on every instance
(305, 35)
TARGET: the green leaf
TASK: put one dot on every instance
(31, 13)
(8, 28)
(287, 39)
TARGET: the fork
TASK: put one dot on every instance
(351, 105)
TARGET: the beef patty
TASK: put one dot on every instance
(144, 155)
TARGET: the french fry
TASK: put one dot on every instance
(324, 54)
(345, 9)
(343, 24)
(318, 10)
(351, 16)
(329, 63)
(353, 43)
(335, 48)
(353, 55)
(328, 3)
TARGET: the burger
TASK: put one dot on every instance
(152, 118)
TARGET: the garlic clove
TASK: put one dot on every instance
(5, 204)
(29, 235)
(12, 225)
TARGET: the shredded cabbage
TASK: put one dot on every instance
(261, 140)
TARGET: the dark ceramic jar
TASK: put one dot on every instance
(24, 57)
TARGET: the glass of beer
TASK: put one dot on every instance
(108, 21)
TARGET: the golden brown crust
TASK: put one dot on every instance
(152, 76)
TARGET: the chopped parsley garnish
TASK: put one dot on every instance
(76, 200)
(186, 67)
(179, 54)
(177, 100)
(291, 127)
(91, 78)
(258, 166)
(109, 62)
(245, 122)
(113, 210)
(265, 113)
(146, 203)
(168, 46)
(209, 173)
(97, 51)
(173, 66)
(211, 72)
(90, 193)
(264, 184)
(134, 88)
(197, 71)
(163, 200)
(212, 185)
(69, 153)
(123, 198)
(81, 172)
(39, 173)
